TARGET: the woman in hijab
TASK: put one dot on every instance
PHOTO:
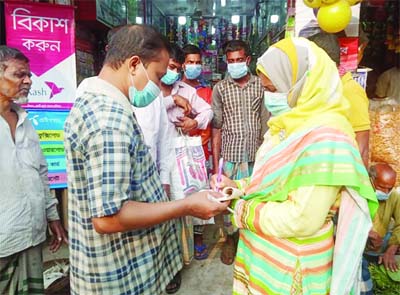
(307, 168)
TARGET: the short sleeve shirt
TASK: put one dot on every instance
(359, 103)
(109, 164)
(237, 113)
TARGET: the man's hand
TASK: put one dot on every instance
(59, 235)
(389, 260)
(187, 124)
(183, 103)
(201, 206)
(225, 182)
(375, 240)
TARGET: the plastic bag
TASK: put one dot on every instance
(191, 165)
(188, 175)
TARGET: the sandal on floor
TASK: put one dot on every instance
(174, 284)
(228, 251)
(200, 252)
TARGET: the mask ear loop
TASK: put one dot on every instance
(147, 75)
(131, 76)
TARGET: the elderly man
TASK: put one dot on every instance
(384, 238)
(26, 203)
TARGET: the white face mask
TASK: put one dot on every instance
(276, 102)
(192, 71)
(382, 196)
(237, 70)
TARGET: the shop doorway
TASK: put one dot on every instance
(209, 24)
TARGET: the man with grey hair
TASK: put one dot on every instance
(26, 202)
(383, 243)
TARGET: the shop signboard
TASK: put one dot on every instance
(50, 128)
(45, 33)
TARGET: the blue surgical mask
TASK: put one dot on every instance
(192, 71)
(276, 102)
(142, 98)
(170, 77)
(381, 196)
(237, 70)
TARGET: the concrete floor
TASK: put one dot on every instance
(210, 276)
(206, 277)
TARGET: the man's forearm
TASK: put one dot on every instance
(216, 147)
(136, 215)
(362, 138)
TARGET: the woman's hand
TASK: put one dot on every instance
(224, 182)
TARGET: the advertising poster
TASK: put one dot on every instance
(46, 35)
(50, 128)
(348, 54)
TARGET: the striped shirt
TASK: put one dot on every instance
(237, 112)
(109, 164)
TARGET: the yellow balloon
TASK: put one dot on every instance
(312, 3)
(335, 17)
(328, 1)
(354, 2)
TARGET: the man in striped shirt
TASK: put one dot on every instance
(237, 103)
